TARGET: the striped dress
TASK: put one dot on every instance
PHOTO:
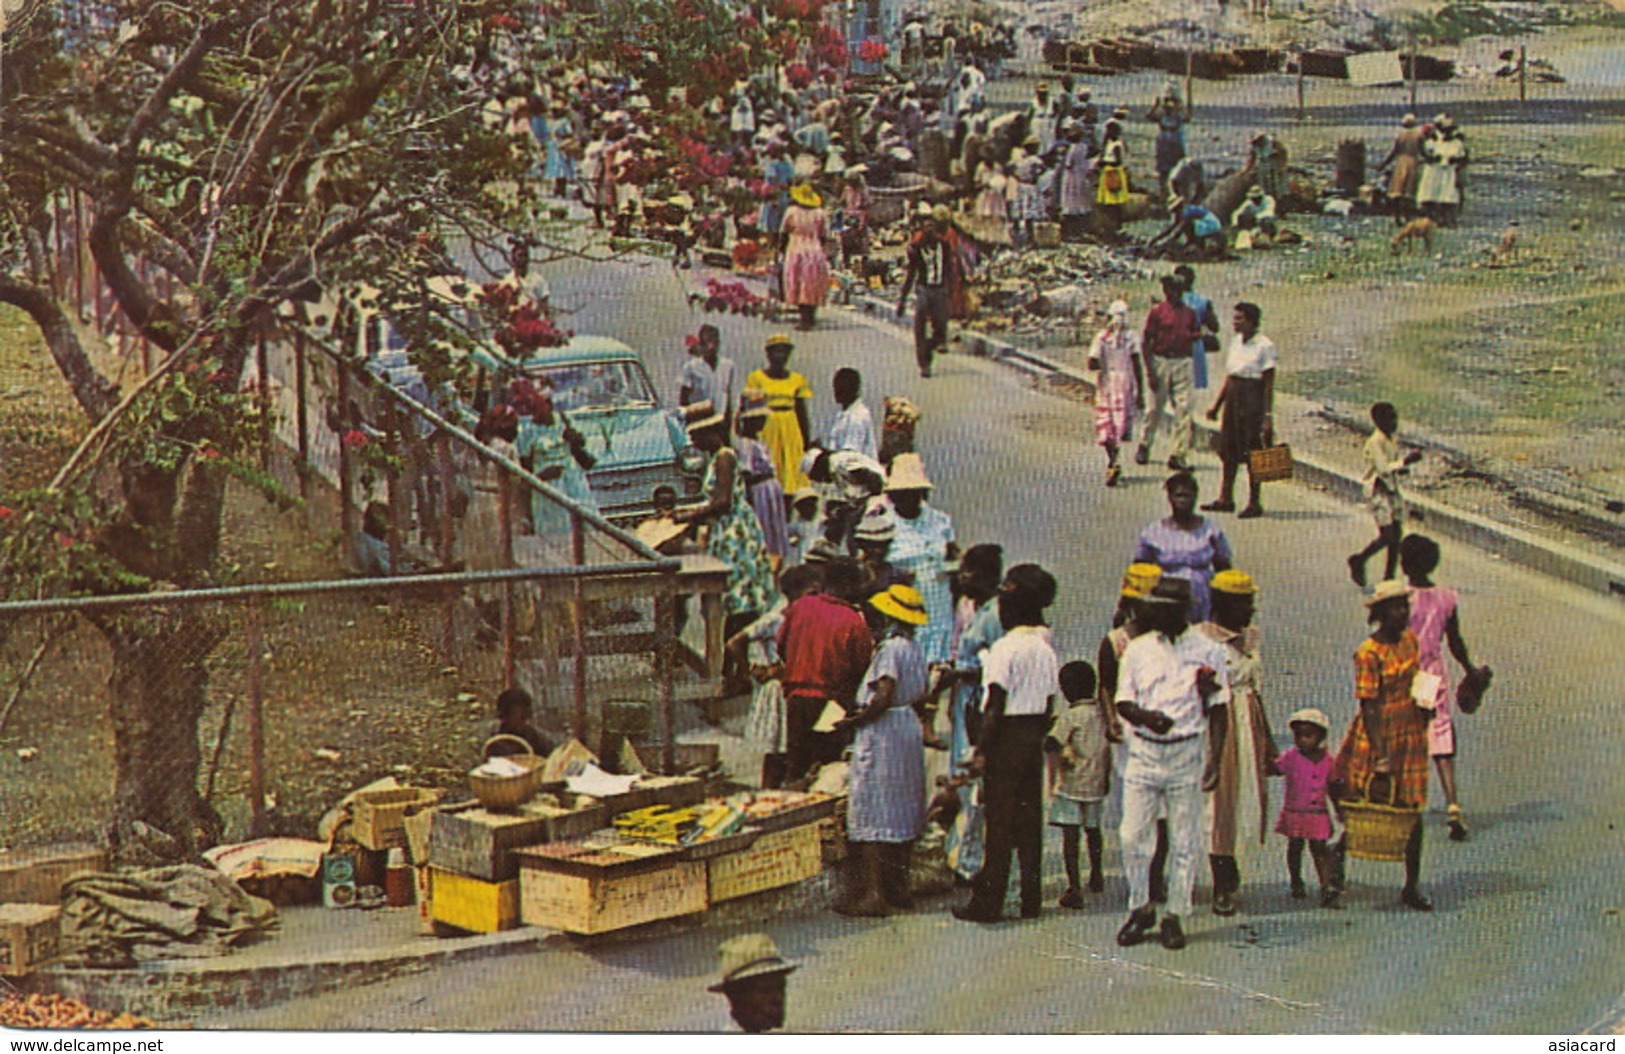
(1384, 672)
(887, 802)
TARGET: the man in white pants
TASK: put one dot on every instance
(1171, 684)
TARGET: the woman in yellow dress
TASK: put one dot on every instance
(786, 430)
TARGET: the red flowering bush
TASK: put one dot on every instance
(873, 50)
(801, 10)
(799, 75)
(528, 330)
(732, 297)
(354, 439)
(829, 46)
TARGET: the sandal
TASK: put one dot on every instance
(1458, 826)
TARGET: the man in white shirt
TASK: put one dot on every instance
(1170, 687)
(1021, 682)
(709, 376)
(853, 427)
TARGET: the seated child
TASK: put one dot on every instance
(514, 708)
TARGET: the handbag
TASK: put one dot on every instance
(1470, 693)
(1210, 342)
(1270, 464)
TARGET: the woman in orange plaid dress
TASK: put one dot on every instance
(1389, 736)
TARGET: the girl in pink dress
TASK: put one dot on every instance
(1120, 392)
(1434, 621)
(806, 267)
(1304, 816)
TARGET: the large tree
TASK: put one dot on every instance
(228, 156)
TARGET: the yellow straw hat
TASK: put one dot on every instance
(1238, 582)
(902, 603)
(780, 340)
(804, 194)
(1139, 580)
(1388, 589)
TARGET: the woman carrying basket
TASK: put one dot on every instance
(1388, 740)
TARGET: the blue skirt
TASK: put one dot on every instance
(887, 792)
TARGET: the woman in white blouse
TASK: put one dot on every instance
(1247, 400)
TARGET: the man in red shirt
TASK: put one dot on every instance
(825, 646)
(1170, 330)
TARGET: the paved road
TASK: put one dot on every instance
(1527, 935)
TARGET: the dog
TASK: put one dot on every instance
(1506, 250)
(1420, 229)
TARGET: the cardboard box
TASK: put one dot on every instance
(471, 904)
(599, 890)
(477, 842)
(778, 858)
(36, 876)
(378, 818)
(29, 937)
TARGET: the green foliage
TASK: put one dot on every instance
(1454, 23)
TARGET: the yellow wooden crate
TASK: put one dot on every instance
(778, 858)
(473, 904)
(611, 898)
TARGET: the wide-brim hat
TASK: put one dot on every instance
(908, 473)
(751, 955)
(1169, 590)
(902, 603)
(1139, 580)
(1255, 193)
(1408, 121)
(879, 523)
(822, 550)
(697, 417)
(1238, 583)
(1310, 716)
(753, 403)
(780, 340)
(803, 194)
(1386, 590)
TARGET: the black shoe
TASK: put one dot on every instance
(1357, 571)
(1224, 905)
(1097, 883)
(1328, 898)
(1251, 512)
(1072, 898)
(1173, 935)
(1141, 455)
(1413, 899)
(1219, 506)
(968, 913)
(1178, 465)
(1138, 925)
(1032, 912)
(1299, 891)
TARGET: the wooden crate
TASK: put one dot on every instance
(675, 791)
(472, 904)
(592, 892)
(36, 876)
(477, 842)
(778, 858)
(378, 818)
(29, 937)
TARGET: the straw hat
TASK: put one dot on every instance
(804, 494)
(804, 194)
(1408, 121)
(1118, 309)
(753, 403)
(752, 955)
(1310, 716)
(779, 340)
(942, 214)
(879, 523)
(1139, 580)
(908, 473)
(809, 459)
(1170, 590)
(1387, 589)
(902, 603)
(701, 415)
(1239, 583)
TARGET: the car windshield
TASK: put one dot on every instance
(598, 386)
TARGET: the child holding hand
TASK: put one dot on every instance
(1307, 767)
(1080, 767)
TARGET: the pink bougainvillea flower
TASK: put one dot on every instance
(355, 439)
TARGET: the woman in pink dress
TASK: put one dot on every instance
(806, 267)
(1434, 621)
(1120, 393)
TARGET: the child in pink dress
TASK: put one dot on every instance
(1304, 816)
(1434, 621)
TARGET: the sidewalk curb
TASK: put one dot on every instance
(178, 990)
(1551, 558)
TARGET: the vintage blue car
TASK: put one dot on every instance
(602, 389)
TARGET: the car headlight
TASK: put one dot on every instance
(691, 460)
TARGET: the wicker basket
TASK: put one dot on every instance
(509, 792)
(1270, 464)
(1377, 830)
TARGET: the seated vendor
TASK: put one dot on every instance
(514, 708)
(1257, 212)
(1199, 227)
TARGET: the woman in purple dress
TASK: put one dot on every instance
(1184, 544)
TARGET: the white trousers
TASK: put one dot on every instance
(1159, 777)
(1172, 395)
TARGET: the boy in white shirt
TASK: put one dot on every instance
(853, 427)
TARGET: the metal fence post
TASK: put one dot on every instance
(448, 542)
(262, 361)
(301, 410)
(665, 663)
(505, 521)
(257, 824)
(346, 467)
(578, 624)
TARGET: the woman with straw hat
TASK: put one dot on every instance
(806, 266)
(735, 537)
(923, 546)
(761, 478)
(1239, 807)
(1388, 739)
(886, 803)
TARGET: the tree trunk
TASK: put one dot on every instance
(158, 690)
